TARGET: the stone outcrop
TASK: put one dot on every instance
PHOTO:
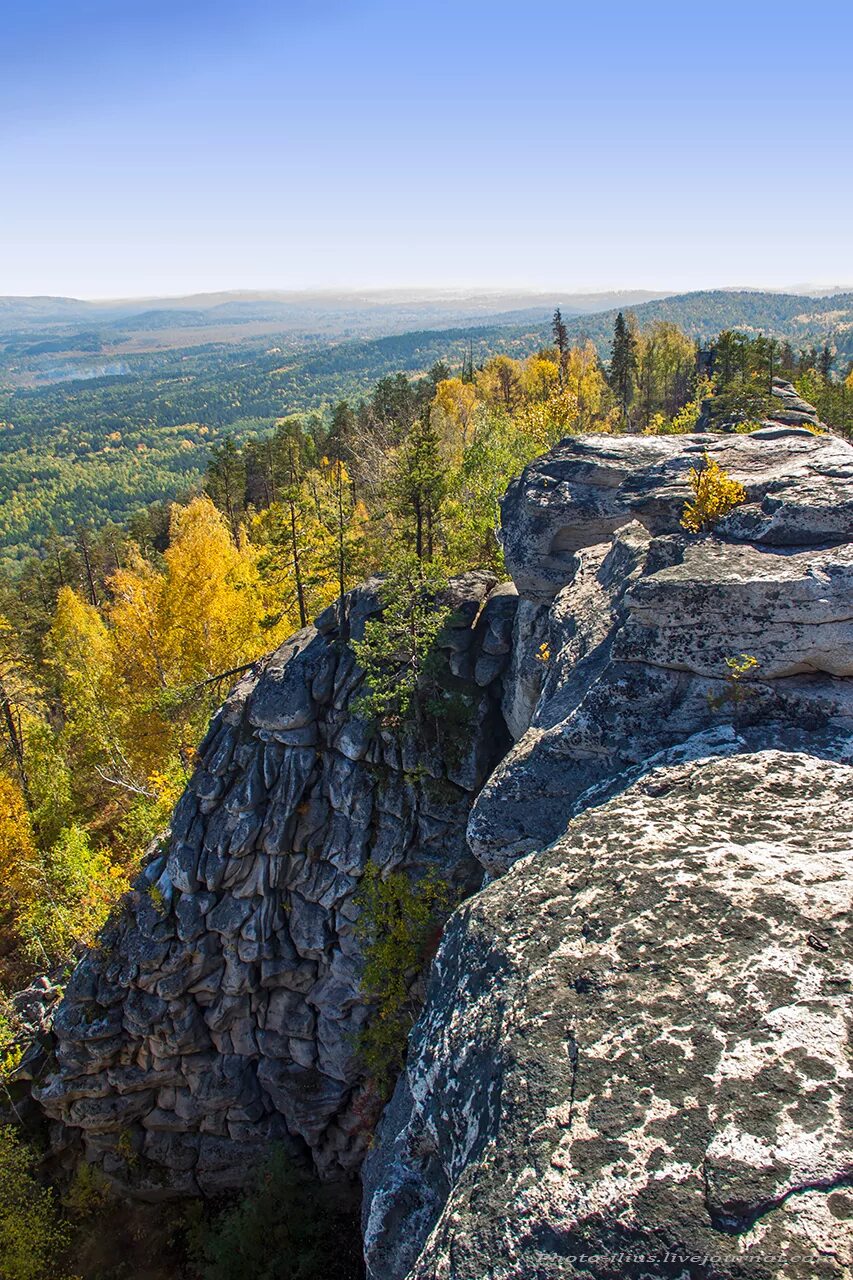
(633, 1059)
(631, 1063)
(639, 618)
(786, 408)
(221, 1010)
(634, 1039)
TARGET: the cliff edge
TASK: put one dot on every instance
(632, 1061)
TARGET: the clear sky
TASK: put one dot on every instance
(170, 146)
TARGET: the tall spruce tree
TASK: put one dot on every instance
(420, 485)
(623, 365)
(560, 332)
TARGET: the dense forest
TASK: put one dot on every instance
(123, 631)
(79, 449)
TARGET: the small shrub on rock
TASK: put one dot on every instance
(397, 922)
(715, 494)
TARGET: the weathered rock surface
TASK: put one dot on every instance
(221, 1011)
(641, 618)
(799, 493)
(789, 408)
(633, 1059)
(634, 1040)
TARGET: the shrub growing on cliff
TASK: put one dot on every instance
(715, 494)
(738, 668)
(397, 922)
(397, 652)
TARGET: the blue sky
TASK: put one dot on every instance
(150, 147)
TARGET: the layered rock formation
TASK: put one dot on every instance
(638, 618)
(222, 1009)
(631, 1062)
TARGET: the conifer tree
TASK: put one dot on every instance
(226, 483)
(623, 365)
(560, 332)
(419, 486)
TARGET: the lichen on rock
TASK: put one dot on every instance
(633, 1057)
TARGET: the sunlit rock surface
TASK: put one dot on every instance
(635, 1045)
(633, 1062)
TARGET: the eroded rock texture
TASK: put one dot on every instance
(221, 1012)
(635, 1046)
(634, 1043)
(639, 618)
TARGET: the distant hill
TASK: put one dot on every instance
(798, 318)
(100, 427)
(363, 312)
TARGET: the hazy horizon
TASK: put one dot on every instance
(415, 291)
(164, 149)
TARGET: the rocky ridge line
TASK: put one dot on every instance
(632, 1058)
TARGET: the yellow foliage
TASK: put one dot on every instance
(452, 414)
(18, 855)
(540, 377)
(499, 382)
(585, 381)
(75, 888)
(715, 494)
(545, 421)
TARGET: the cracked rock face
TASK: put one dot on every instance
(635, 1045)
(632, 1063)
(640, 620)
(221, 1011)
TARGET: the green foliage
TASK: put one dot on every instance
(49, 778)
(832, 399)
(399, 677)
(397, 921)
(32, 1235)
(419, 487)
(501, 448)
(11, 1051)
(623, 364)
(88, 1193)
(74, 889)
(685, 421)
(284, 1228)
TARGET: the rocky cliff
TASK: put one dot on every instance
(223, 1007)
(632, 1042)
(632, 1060)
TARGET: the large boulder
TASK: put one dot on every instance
(632, 623)
(633, 1061)
(799, 490)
